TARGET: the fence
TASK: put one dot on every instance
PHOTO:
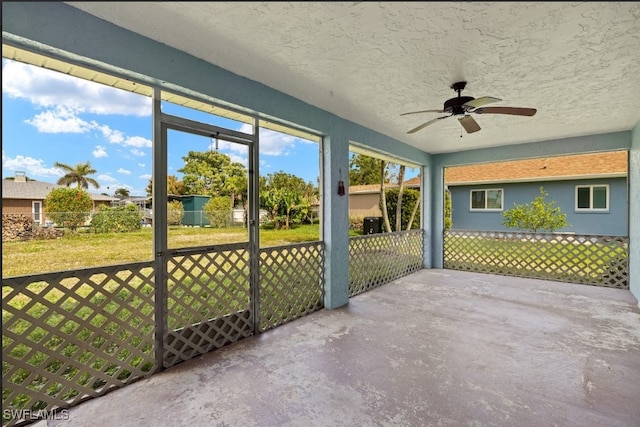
(377, 259)
(73, 335)
(587, 259)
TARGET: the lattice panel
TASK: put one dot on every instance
(73, 335)
(377, 259)
(208, 301)
(587, 259)
(291, 282)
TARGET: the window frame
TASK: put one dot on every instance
(36, 214)
(486, 209)
(591, 208)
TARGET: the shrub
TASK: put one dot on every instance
(118, 219)
(534, 216)
(218, 211)
(448, 221)
(356, 222)
(175, 212)
(68, 207)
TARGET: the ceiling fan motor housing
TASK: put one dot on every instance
(455, 105)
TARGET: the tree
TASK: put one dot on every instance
(211, 173)
(414, 212)
(174, 186)
(68, 207)
(286, 198)
(399, 202)
(121, 193)
(365, 170)
(77, 175)
(383, 196)
(537, 215)
(409, 216)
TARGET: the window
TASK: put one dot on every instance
(592, 197)
(486, 200)
(36, 209)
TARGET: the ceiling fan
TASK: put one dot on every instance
(463, 106)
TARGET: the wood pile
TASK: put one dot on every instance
(20, 227)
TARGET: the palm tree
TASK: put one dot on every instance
(77, 174)
(121, 193)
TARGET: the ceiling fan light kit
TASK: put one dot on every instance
(463, 106)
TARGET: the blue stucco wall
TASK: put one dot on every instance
(613, 223)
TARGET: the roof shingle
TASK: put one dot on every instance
(561, 167)
(37, 190)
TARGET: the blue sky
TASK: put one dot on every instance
(49, 116)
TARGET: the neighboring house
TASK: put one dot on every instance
(591, 189)
(22, 196)
(364, 200)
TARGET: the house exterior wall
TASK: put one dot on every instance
(22, 207)
(16, 206)
(364, 204)
(614, 222)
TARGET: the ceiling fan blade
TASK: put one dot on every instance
(423, 111)
(424, 125)
(514, 111)
(469, 124)
(479, 102)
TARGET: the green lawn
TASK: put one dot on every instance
(83, 250)
(556, 260)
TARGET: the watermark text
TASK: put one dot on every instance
(28, 414)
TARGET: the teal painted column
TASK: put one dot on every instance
(335, 220)
(634, 213)
(426, 215)
(437, 216)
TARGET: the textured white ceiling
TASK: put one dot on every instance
(578, 63)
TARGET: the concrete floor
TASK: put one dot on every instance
(437, 348)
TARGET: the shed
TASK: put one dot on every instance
(193, 210)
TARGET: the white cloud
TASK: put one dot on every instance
(275, 144)
(137, 141)
(107, 179)
(142, 165)
(99, 151)
(32, 167)
(124, 171)
(239, 159)
(113, 136)
(146, 176)
(137, 152)
(66, 120)
(47, 88)
(271, 143)
(59, 120)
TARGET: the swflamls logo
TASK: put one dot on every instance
(28, 414)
